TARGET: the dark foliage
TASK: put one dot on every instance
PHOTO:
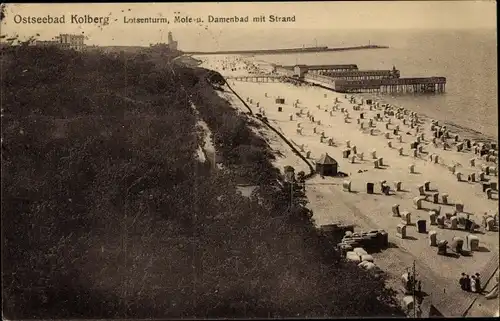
(107, 213)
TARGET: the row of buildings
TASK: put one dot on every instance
(170, 45)
(77, 42)
(65, 41)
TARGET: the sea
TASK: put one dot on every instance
(467, 58)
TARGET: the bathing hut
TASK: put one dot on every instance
(417, 202)
(444, 198)
(472, 242)
(401, 231)
(433, 217)
(422, 226)
(457, 244)
(369, 188)
(432, 238)
(327, 166)
(406, 218)
(442, 246)
(453, 222)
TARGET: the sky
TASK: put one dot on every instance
(341, 16)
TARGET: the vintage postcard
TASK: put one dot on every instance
(249, 160)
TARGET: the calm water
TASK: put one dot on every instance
(468, 59)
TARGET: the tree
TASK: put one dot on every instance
(108, 213)
(2, 11)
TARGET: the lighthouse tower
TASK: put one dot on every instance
(172, 44)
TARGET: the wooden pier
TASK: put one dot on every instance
(348, 79)
(394, 85)
(362, 74)
(259, 78)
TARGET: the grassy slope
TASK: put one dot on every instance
(107, 213)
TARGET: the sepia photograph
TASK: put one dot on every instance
(243, 160)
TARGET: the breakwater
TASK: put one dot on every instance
(284, 50)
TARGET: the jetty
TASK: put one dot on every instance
(258, 78)
(320, 69)
(283, 50)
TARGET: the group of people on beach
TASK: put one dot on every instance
(471, 283)
(413, 284)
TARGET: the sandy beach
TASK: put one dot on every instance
(330, 203)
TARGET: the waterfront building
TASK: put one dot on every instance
(69, 41)
(46, 43)
(300, 70)
(64, 41)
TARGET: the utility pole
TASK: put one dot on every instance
(413, 286)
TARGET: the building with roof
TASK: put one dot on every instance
(64, 41)
(46, 43)
(326, 165)
(69, 41)
(299, 70)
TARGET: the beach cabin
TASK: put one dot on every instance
(299, 71)
(326, 165)
(280, 100)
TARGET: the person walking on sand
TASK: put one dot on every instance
(467, 283)
(478, 283)
(462, 282)
(473, 284)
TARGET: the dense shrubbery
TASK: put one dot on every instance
(107, 213)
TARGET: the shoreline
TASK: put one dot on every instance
(328, 201)
(462, 130)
